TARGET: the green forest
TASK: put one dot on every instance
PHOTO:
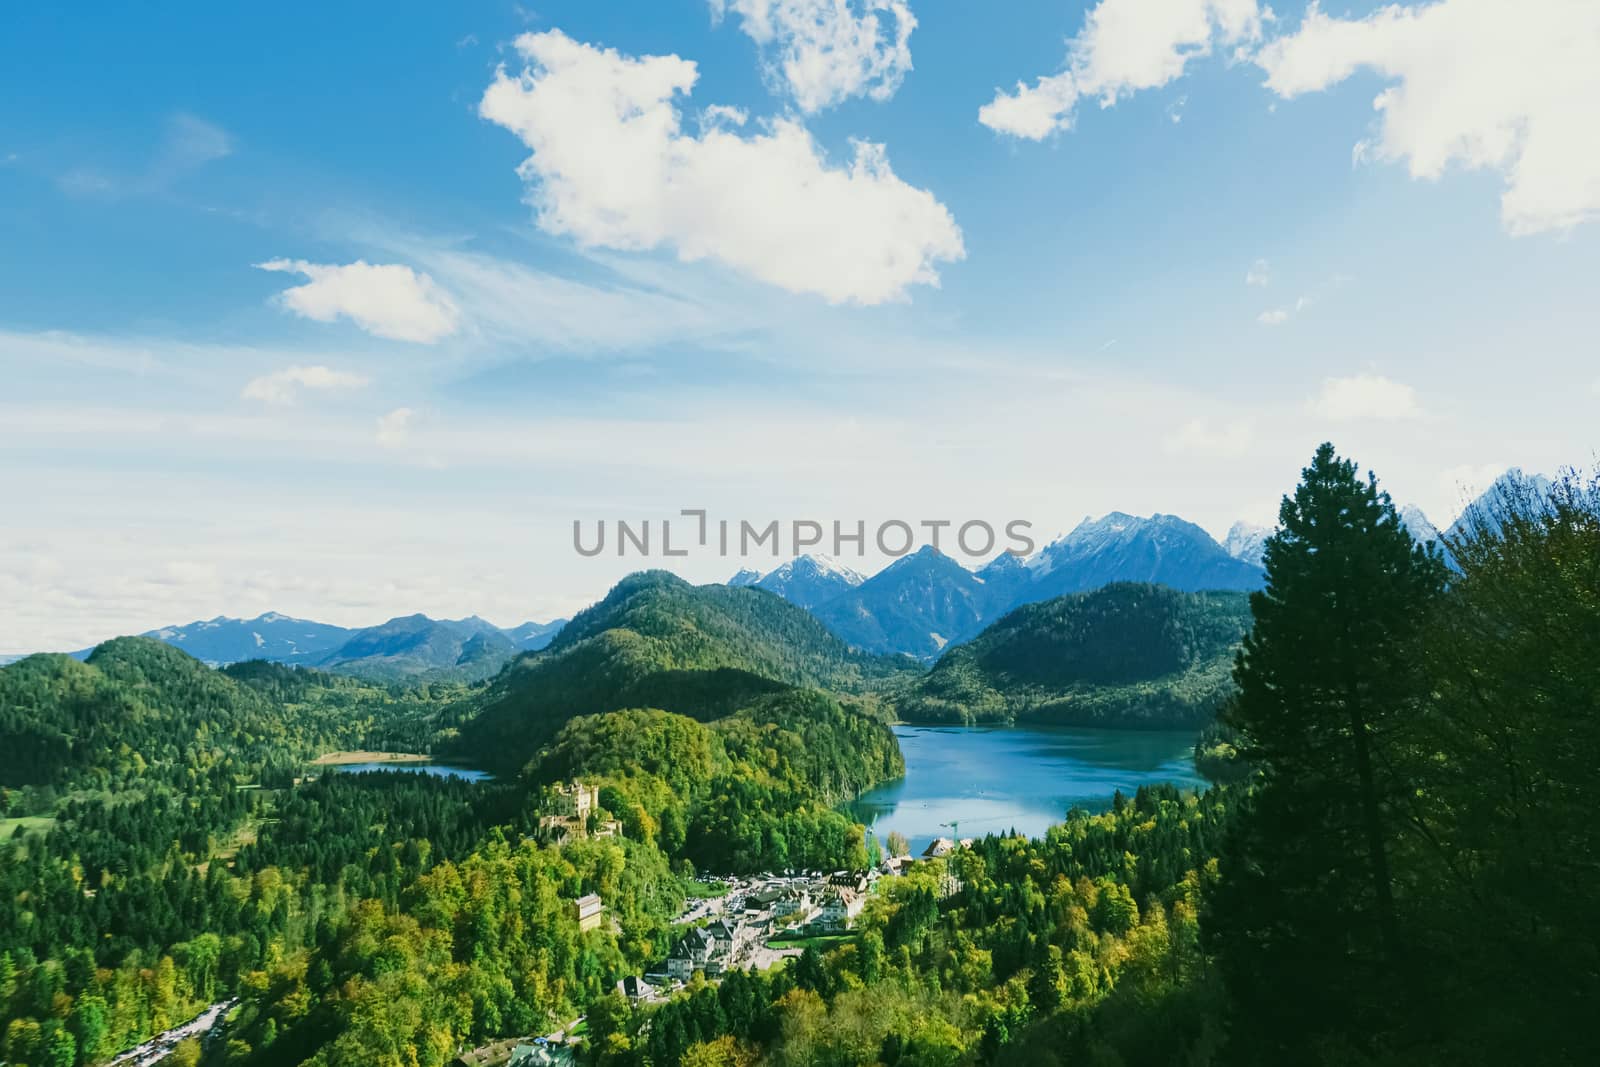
(656, 641)
(1126, 654)
(1395, 864)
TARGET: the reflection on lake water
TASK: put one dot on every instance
(438, 770)
(990, 780)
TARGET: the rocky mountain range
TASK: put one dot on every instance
(925, 602)
(406, 647)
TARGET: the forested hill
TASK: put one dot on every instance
(656, 641)
(1128, 654)
(139, 709)
(718, 625)
(753, 790)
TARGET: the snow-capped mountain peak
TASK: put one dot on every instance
(809, 580)
(816, 566)
(1417, 524)
(1247, 541)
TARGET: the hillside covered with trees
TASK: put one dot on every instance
(139, 709)
(1127, 654)
(753, 791)
(655, 641)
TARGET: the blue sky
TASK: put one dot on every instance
(312, 310)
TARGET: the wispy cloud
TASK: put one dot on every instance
(1280, 315)
(1212, 438)
(395, 428)
(281, 387)
(1366, 396)
(187, 143)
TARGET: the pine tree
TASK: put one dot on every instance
(1305, 921)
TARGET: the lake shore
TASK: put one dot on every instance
(339, 759)
(968, 781)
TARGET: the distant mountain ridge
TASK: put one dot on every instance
(270, 636)
(917, 605)
(406, 647)
(1247, 541)
(1119, 547)
(926, 602)
(1511, 487)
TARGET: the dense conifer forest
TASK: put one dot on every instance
(1127, 654)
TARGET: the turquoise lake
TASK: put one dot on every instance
(438, 770)
(991, 780)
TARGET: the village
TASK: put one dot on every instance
(752, 922)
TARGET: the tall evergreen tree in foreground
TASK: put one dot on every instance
(1512, 798)
(1306, 923)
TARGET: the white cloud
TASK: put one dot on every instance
(1279, 316)
(1201, 436)
(1366, 396)
(1033, 113)
(1123, 47)
(1258, 274)
(825, 51)
(612, 167)
(281, 387)
(723, 115)
(385, 299)
(395, 427)
(1502, 84)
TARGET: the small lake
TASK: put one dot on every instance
(991, 780)
(438, 770)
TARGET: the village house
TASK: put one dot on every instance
(588, 911)
(940, 846)
(725, 937)
(636, 989)
(839, 909)
(763, 899)
(852, 880)
(696, 951)
(790, 901)
(540, 1053)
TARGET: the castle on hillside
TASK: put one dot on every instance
(569, 807)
